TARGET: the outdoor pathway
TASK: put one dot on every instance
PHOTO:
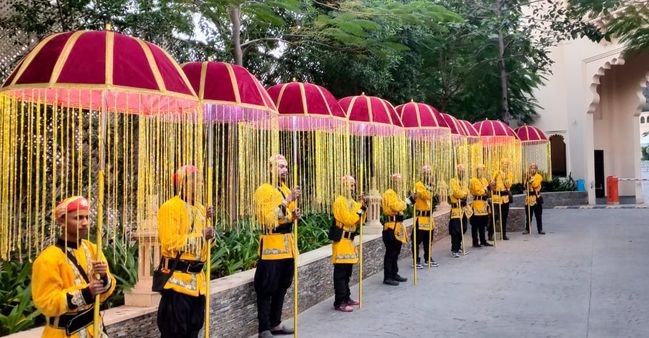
(587, 277)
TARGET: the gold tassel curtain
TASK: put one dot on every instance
(535, 147)
(499, 141)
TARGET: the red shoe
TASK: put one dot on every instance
(352, 302)
(344, 308)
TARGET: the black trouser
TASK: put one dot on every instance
(537, 211)
(422, 238)
(505, 208)
(342, 274)
(180, 315)
(455, 231)
(392, 251)
(478, 225)
(272, 279)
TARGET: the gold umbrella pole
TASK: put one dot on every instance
(528, 226)
(208, 272)
(295, 247)
(103, 122)
(415, 247)
(493, 215)
(500, 221)
(431, 226)
(360, 238)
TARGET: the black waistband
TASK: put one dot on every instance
(478, 198)
(73, 322)
(532, 193)
(504, 192)
(285, 228)
(184, 265)
(423, 213)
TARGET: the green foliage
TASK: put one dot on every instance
(238, 249)
(557, 184)
(122, 263)
(17, 312)
(645, 153)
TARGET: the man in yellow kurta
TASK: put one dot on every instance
(348, 214)
(479, 187)
(184, 242)
(501, 182)
(394, 232)
(67, 276)
(533, 200)
(422, 198)
(458, 222)
(275, 209)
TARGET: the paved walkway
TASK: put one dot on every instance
(588, 277)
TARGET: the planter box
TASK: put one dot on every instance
(558, 198)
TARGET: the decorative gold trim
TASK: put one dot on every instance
(201, 83)
(243, 105)
(305, 108)
(233, 82)
(30, 57)
(80, 86)
(418, 115)
(63, 56)
(153, 66)
(110, 52)
(325, 100)
(280, 95)
(180, 71)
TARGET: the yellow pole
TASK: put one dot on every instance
(97, 327)
(360, 239)
(415, 248)
(208, 273)
(462, 227)
(295, 247)
(431, 226)
(500, 221)
(528, 226)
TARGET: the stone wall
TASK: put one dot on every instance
(559, 198)
(233, 307)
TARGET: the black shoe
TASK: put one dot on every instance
(400, 279)
(526, 232)
(541, 232)
(265, 334)
(487, 244)
(505, 238)
(282, 331)
(477, 245)
(390, 282)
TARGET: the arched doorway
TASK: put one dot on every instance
(616, 131)
(558, 155)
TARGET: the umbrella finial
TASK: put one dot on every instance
(362, 93)
(412, 100)
(108, 26)
(294, 80)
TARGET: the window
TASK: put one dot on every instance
(642, 119)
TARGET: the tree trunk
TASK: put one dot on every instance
(504, 81)
(235, 18)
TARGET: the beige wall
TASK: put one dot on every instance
(593, 99)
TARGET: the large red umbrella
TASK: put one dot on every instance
(536, 149)
(499, 141)
(66, 98)
(312, 126)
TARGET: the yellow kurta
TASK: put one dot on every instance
(478, 187)
(503, 181)
(270, 215)
(180, 229)
(393, 206)
(54, 277)
(533, 185)
(423, 204)
(457, 194)
(347, 218)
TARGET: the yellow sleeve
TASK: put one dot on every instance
(171, 240)
(49, 291)
(508, 182)
(457, 192)
(536, 183)
(393, 202)
(343, 214)
(112, 280)
(422, 192)
(476, 187)
(267, 201)
(495, 175)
